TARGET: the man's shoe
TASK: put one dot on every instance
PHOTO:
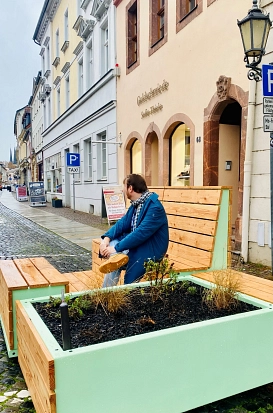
(113, 263)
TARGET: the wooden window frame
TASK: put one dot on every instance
(184, 17)
(130, 64)
(156, 10)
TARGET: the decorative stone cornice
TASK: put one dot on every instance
(56, 61)
(57, 80)
(47, 73)
(85, 4)
(99, 8)
(85, 28)
(46, 41)
(65, 68)
(46, 17)
(77, 23)
(78, 49)
(42, 51)
(65, 46)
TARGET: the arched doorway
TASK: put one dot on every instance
(151, 159)
(229, 152)
(179, 174)
(228, 104)
(136, 157)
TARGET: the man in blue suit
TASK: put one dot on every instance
(141, 234)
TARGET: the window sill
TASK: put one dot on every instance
(88, 180)
(187, 15)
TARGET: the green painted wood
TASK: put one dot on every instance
(171, 370)
(27, 294)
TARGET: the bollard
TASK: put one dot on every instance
(65, 324)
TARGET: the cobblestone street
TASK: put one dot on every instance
(20, 237)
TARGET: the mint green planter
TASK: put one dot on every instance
(169, 371)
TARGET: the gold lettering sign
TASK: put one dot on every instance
(152, 93)
(151, 111)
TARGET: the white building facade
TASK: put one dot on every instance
(82, 100)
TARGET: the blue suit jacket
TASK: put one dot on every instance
(149, 240)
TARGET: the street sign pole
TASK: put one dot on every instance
(267, 78)
(271, 197)
(73, 191)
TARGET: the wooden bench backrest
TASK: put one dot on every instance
(193, 214)
(199, 220)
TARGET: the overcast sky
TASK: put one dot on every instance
(19, 63)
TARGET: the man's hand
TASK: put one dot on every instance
(107, 251)
(104, 247)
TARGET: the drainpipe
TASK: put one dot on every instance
(248, 168)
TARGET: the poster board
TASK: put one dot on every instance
(21, 193)
(114, 203)
(37, 194)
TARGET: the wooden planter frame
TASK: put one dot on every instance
(172, 370)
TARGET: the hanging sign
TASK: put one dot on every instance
(268, 123)
(114, 202)
(268, 106)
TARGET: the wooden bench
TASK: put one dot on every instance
(199, 228)
(21, 279)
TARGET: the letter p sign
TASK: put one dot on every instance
(72, 159)
(267, 75)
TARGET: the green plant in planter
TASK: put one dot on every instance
(224, 293)
(161, 276)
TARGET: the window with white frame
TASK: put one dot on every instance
(48, 64)
(67, 92)
(58, 101)
(102, 156)
(104, 49)
(43, 64)
(66, 31)
(53, 170)
(89, 64)
(80, 76)
(76, 149)
(49, 111)
(88, 159)
(57, 44)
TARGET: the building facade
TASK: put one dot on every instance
(22, 132)
(183, 102)
(82, 98)
(37, 120)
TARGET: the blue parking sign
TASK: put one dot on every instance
(267, 76)
(72, 159)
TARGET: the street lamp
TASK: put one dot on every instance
(254, 30)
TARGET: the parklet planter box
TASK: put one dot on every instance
(172, 370)
(57, 203)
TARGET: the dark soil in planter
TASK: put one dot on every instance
(176, 308)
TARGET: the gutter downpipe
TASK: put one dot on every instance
(248, 168)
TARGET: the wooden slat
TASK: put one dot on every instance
(194, 254)
(192, 210)
(194, 196)
(11, 275)
(52, 275)
(200, 226)
(32, 276)
(75, 282)
(43, 360)
(90, 282)
(44, 401)
(192, 239)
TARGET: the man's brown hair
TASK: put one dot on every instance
(137, 182)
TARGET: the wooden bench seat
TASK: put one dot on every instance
(199, 228)
(21, 279)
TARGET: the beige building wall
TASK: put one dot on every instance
(58, 24)
(191, 61)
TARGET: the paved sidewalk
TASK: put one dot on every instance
(73, 228)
